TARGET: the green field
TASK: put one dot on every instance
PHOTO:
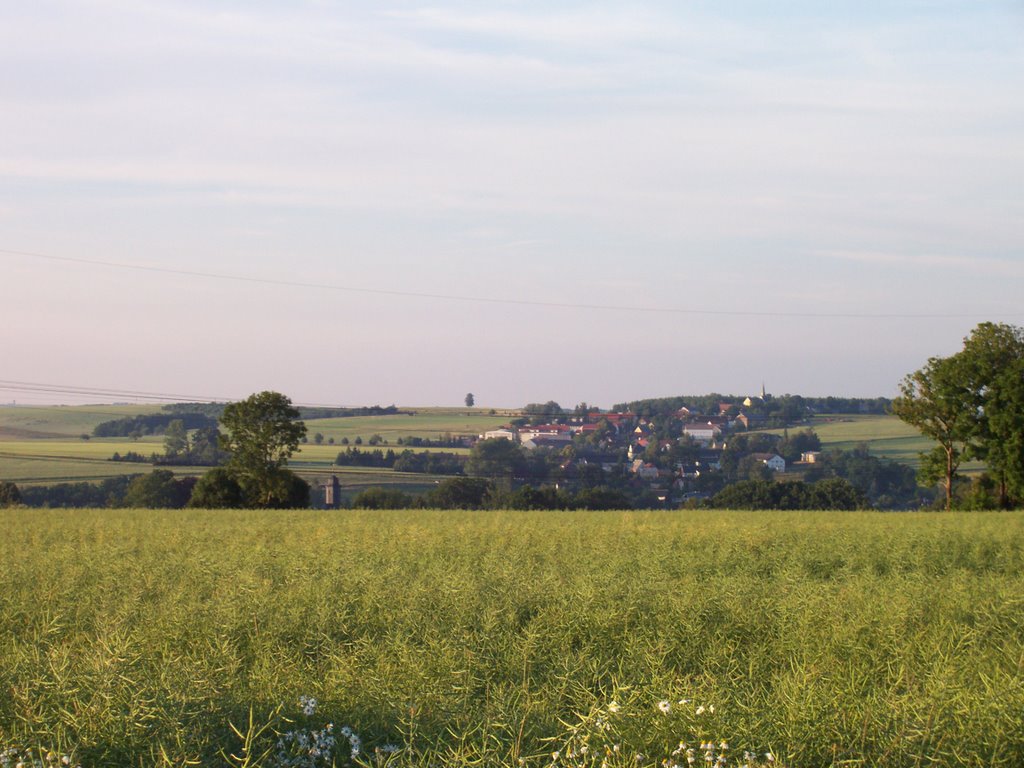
(43, 445)
(34, 422)
(428, 423)
(829, 639)
(885, 436)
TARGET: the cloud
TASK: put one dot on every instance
(976, 265)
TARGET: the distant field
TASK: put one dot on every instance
(885, 436)
(428, 423)
(28, 422)
(43, 445)
(60, 459)
(134, 637)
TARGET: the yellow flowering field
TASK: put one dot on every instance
(303, 638)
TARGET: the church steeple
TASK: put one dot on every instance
(763, 393)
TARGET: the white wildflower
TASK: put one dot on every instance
(308, 704)
(613, 707)
(664, 706)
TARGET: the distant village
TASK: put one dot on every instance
(674, 453)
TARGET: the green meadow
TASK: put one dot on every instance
(426, 423)
(62, 420)
(43, 445)
(139, 638)
(886, 436)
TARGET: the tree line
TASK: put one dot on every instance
(151, 424)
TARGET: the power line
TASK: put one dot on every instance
(505, 301)
(129, 394)
(33, 386)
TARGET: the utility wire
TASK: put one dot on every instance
(156, 397)
(505, 301)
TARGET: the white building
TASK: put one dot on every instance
(499, 434)
(773, 461)
(703, 433)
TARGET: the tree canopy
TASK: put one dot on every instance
(971, 404)
(263, 432)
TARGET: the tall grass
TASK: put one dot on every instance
(149, 638)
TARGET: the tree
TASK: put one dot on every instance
(9, 494)
(287, 491)
(971, 405)
(935, 400)
(470, 401)
(217, 489)
(992, 361)
(496, 458)
(159, 490)
(175, 439)
(459, 493)
(263, 432)
(376, 497)
(1005, 453)
(318, 438)
(204, 449)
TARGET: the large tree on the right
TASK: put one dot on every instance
(993, 367)
(972, 405)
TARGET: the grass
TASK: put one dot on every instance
(868, 639)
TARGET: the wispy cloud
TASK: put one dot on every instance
(977, 265)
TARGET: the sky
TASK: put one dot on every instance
(393, 202)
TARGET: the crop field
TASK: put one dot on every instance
(40, 445)
(140, 638)
(885, 436)
(62, 420)
(427, 423)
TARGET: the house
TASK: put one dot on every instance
(560, 432)
(703, 433)
(645, 471)
(499, 434)
(773, 461)
(748, 421)
(810, 457)
(710, 459)
(613, 418)
(546, 441)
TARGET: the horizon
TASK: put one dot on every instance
(574, 202)
(475, 407)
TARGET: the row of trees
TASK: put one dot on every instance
(437, 463)
(151, 424)
(832, 493)
(482, 493)
(972, 405)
